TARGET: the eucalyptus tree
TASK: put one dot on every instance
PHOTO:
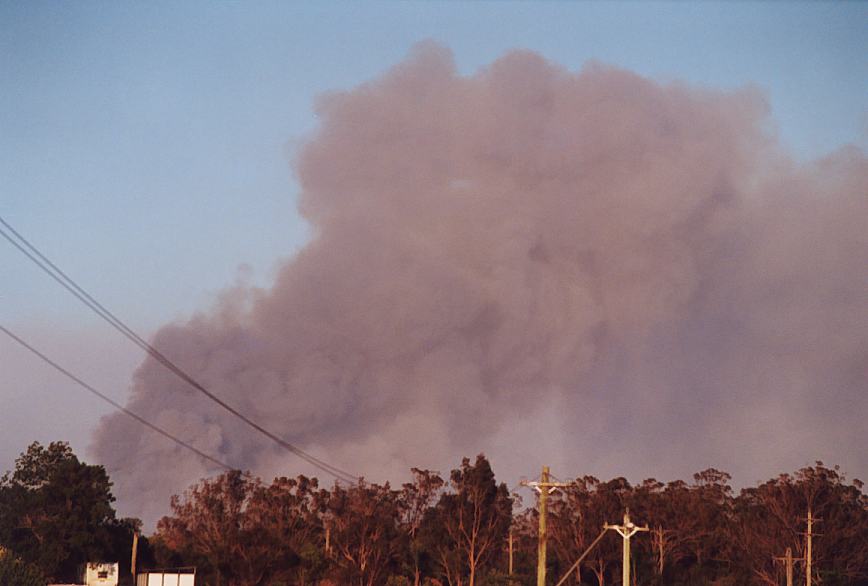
(466, 531)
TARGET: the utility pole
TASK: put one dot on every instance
(788, 560)
(544, 487)
(134, 555)
(626, 531)
(510, 549)
(809, 554)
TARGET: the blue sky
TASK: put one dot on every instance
(146, 147)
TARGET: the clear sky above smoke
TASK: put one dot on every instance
(146, 150)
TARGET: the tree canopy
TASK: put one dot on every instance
(455, 532)
(56, 512)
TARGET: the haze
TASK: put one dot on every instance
(614, 248)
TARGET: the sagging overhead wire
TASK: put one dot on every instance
(112, 402)
(52, 270)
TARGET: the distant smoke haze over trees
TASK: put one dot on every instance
(592, 268)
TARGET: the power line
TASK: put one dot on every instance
(39, 259)
(52, 270)
(113, 403)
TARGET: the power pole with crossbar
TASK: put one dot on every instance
(788, 560)
(544, 487)
(626, 531)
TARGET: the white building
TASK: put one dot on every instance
(101, 574)
(178, 577)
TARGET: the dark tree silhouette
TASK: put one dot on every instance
(56, 512)
(415, 500)
(365, 536)
(466, 531)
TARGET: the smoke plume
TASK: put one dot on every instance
(592, 270)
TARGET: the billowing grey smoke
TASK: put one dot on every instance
(591, 270)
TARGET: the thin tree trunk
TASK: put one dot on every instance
(600, 573)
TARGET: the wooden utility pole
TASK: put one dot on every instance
(809, 553)
(626, 531)
(788, 560)
(134, 555)
(510, 550)
(544, 487)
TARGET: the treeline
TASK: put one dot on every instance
(241, 531)
(456, 531)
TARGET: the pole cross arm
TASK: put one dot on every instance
(549, 487)
(626, 531)
(544, 487)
